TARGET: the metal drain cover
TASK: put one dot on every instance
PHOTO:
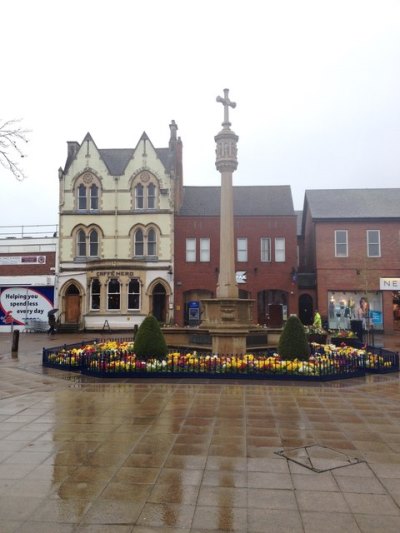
(318, 458)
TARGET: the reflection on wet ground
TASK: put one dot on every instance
(137, 456)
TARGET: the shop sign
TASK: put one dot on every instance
(19, 304)
(389, 284)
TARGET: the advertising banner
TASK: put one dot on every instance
(19, 304)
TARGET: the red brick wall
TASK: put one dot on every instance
(260, 275)
(357, 272)
(30, 269)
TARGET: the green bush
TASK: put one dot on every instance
(293, 340)
(149, 340)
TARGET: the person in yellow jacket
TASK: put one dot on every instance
(317, 320)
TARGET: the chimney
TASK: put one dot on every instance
(73, 148)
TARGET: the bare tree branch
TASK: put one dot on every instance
(11, 138)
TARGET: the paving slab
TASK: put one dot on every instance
(141, 456)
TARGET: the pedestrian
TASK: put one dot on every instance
(52, 324)
(317, 320)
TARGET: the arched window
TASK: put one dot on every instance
(151, 243)
(81, 244)
(139, 204)
(139, 243)
(88, 193)
(95, 294)
(134, 294)
(94, 197)
(82, 203)
(93, 243)
(151, 196)
(87, 242)
(113, 296)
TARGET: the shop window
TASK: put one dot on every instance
(113, 294)
(95, 294)
(134, 295)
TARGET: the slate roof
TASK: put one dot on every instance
(264, 200)
(353, 203)
(116, 159)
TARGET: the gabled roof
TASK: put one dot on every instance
(267, 200)
(353, 203)
(117, 159)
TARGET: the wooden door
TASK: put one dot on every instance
(275, 315)
(72, 308)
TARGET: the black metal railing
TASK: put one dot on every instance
(97, 358)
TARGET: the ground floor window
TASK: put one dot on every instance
(345, 306)
(114, 295)
(134, 294)
(396, 310)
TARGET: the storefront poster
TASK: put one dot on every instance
(346, 306)
(19, 304)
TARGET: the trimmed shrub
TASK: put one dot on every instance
(149, 340)
(293, 341)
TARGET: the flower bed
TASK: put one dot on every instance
(117, 359)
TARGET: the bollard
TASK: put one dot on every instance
(15, 342)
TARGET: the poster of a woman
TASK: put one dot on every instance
(363, 311)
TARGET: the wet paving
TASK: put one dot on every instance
(141, 456)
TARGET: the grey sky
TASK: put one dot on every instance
(317, 87)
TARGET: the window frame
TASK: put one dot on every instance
(190, 255)
(151, 244)
(139, 198)
(95, 294)
(345, 244)
(134, 295)
(280, 250)
(242, 254)
(111, 295)
(205, 249)
(372, 244)
(265, 252)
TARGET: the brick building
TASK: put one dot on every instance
(265, 255)
(350, 247)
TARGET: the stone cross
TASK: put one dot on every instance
(226, 103)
